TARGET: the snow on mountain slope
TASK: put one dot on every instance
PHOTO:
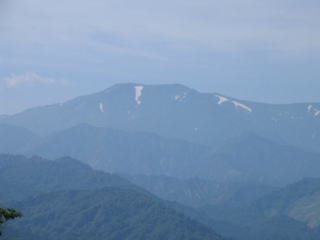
(179, 112)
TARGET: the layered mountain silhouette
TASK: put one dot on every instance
(205, 150)
(177, 111)
(23, 177)
(123, 152)
(291, 212)
(248, 157)
(108, 213)
(65, 199)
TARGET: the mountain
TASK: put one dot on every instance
(109, 213)
(22, 177)
(252, 157)
(176, 111)
(197, 192)
(245, 158)
(299, 201)
(42, 188)
(291, 212)
(16, 139)
(123, 152)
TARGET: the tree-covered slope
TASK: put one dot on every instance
(123, 152)
(22, 177)
(248, 157)
(16, 139)
(292, 212)
(106, 214)
(252, 157)
(198, 192)
(300, 201)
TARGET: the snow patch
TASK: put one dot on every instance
(180, 98)
(138, 90)
(101, 107)
(240, 105)
(315, 111)
(222, 99)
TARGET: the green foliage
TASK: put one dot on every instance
(7, 214)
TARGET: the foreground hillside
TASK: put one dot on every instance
(66, 199)
(23, 177)
(109, 213)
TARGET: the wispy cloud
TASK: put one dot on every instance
(29, 78)
(227, 45)
(230, 25)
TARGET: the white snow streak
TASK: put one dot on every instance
(235, 103)
(240, 105)
(222, 99)
(139, 90)
(180, 98)
(313, 110)
(101, 107)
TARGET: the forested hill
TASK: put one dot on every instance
(110, 213)
(23, 177)
(66, 199)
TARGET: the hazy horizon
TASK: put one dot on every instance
(265, 51)
(159, 120)
(137, 83)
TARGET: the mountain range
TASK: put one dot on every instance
(66, 199)
(247, 157)
(176, 111)
(291, 212)
(162, 162)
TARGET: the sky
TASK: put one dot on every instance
(259, 50)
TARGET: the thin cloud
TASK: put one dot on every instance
(29, 79)
(217, 25)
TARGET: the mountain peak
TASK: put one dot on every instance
(122, 86)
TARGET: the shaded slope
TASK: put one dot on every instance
(252, 157)
(245, 158)
(123, 152)
(22, 177)
(300, 201)
(198, 192)
(16, 139)
(109, 213)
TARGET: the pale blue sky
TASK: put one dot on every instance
(263, 50)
